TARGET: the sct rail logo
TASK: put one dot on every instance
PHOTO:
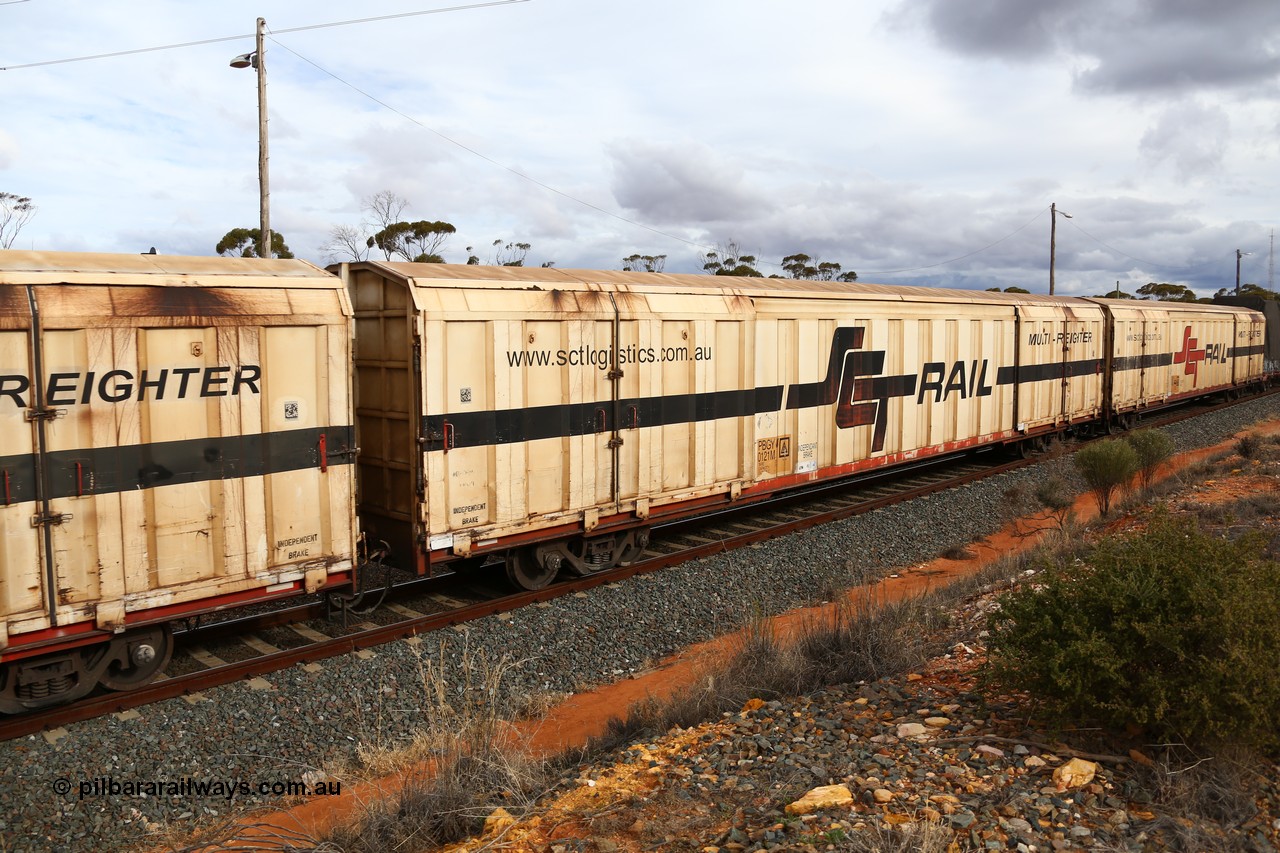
(861, 394)
(1190, 356)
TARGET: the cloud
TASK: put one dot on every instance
(686, 183)
(1117, 46)
(8, 150)
(1192, 136)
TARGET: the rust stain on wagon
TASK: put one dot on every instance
(569, 302)
(631, 301)
(13, 300)
(561, 301)
(178, 302)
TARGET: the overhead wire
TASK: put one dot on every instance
(305, 28)
(1142, 261)
(483, 156)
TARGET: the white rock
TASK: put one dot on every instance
(906, 730)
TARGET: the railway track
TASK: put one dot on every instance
(268, 642)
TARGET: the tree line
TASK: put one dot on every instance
(385, 228)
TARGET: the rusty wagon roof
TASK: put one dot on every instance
(25, 267)
(459, 275)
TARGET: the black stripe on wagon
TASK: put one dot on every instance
(511, 426)
(105, 470)
(1245, 352)
(1141, 362)
(17, 479)
(1054, 370)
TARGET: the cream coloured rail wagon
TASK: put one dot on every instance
(177, 434)
(176, 437)
(548, 417)
(1163, 352)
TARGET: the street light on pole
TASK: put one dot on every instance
(257, 60)
(1054, 213)
(1239, 255)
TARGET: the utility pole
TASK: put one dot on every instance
(257, 60)
(1053, 238)
(264, 187)
(1239, 255)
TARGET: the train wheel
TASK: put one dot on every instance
(143, 655)
(526, 571)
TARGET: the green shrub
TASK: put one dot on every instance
(1106, 466)
(1152, 447)
(1172, 630)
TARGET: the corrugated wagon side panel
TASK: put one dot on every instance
(294, 401)
(178, 517)
(543, 480)
(20, 568)
(1216, 337)
(732, 371)
(688, 382)
(78, 543)
(1039, 374)
(772, 360)
(1251, 335)
(246, 542)
(1128, 363)
(337, 493)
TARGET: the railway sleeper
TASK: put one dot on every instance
(536, 566)
(125, 662)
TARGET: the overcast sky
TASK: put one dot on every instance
(913, 141)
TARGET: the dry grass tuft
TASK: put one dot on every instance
(1202, 800)
(918, 837)
(461, 766)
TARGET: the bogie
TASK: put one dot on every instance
(534, 567)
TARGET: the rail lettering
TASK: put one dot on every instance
(975, 386)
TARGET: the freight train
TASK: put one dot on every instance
(180, 436)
